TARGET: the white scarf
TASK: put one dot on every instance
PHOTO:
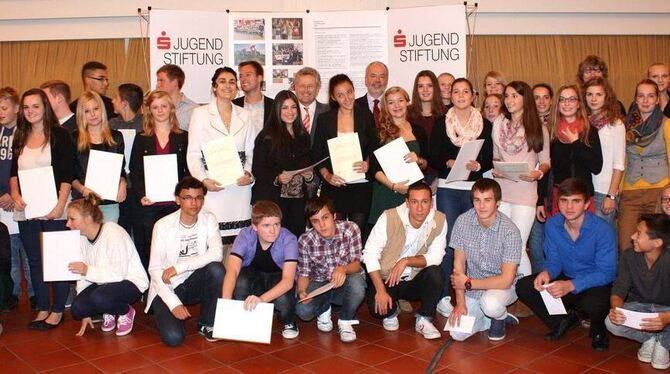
(462, 133)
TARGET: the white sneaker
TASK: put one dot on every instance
(444, 307)
(660, 359)
(391, 323)
(323, 321)
(347, 333)
(426, 328)
(646, 350)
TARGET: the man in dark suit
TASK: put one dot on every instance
(307, 85)
(251, 81)
(95, 78)
(376, 80)
(58, 93)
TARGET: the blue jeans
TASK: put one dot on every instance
(110, 212)
(452, 203)
(599, 197)
(350, 295)
(110, 298)
(254, 282)
(662, 336)
(19, 258)
(536, 246)
(30, 231)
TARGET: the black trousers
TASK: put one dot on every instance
(144, 226)
(593, 303)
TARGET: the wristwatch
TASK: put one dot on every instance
(613, 197)
(468, 284)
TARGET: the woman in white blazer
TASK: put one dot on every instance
(220, 118)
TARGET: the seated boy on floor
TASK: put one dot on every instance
(262, 265)
(642, 285)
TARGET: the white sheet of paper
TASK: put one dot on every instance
(554, 306)
(232, 322)
(38, 191)
(59, 248)
(511, 170)
(128, 140)
(223, 161)
(318, 291)
(103, 173)
(391, 158)
(160, 177)
(633, 318)
(466, 325)
(344, 151)
(469, 151)
(291, 173)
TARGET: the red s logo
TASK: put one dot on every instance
(399, 40)
(163, 42)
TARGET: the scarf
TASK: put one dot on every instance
(459, 133)
(512, 138)
(598, 120)
(642, 132)
(576, 126)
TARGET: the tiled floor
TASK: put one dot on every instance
(375, 351)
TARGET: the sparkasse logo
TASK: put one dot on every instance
(399, 40)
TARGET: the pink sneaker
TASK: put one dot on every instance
(125, 323)
(108, 322)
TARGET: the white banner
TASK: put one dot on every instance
(196, 41)
(426, 38)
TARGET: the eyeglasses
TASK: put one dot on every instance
(665, 200)
(100, 79)
(188, 198)
(568, 100)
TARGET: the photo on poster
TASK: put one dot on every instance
(287, 54)
(249, 29)
(248, 52)
(279, 75)
(287, 28)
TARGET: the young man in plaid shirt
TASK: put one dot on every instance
(330, 253)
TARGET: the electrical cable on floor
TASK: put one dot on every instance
(438, 355)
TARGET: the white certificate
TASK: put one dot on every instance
(223, 161)
(554, 305)
(318, 291)
(103, 173)
(59, 248)
(465, 325)
(38, 191)
(345, 150)
(128, 140)
(160, 177)
(391, 158)
(634, 319)
(511, 170)
(469, 151)
(233, 322)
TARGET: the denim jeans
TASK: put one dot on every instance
(599, 197)
(110, 298)
(536, 246)
(452, 203)
(253, 282)
(19, 259)
(350, 295)
(662, 336)
(110, 212)
(204, 287)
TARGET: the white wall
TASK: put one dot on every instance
(94, 19)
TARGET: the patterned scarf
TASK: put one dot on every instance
(576, 126)
(598, 120)
(462, 133)
(512, 138)
(642, 132)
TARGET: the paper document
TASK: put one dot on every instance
(103, 173)
(345, 150)
(128, 140)
(38, 191)
(554, 306)
(223, 161)
(634, 319)
(469, 151)
(232, 322)
(465, 325)
(160, 177)
(318, 291)
(511, 170)
(391, 158)
(291, 173)
(59, 248)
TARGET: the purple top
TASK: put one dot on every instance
(284, 249)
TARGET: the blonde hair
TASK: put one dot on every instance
(84, 137)
(387, 130)
(88, 207)
(555, 116)
(149, 124)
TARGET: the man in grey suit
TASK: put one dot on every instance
(307, 84)
(376, 80)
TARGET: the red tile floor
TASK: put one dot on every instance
(375, 351)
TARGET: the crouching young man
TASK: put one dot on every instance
(330, 252)
(403, 256)
(185, 265)
(262, 265)
(641, 285)
(486, 257)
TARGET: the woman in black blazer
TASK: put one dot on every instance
(352, 201)
(161, 135)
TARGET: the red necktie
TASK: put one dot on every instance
(375, 111)
(306, 120)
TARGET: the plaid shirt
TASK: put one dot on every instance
(319, 257)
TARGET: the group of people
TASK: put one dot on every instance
(593, 172)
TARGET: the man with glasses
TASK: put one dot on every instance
(185, 265)
(376, 80)
(95, 78)
(594, 67)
